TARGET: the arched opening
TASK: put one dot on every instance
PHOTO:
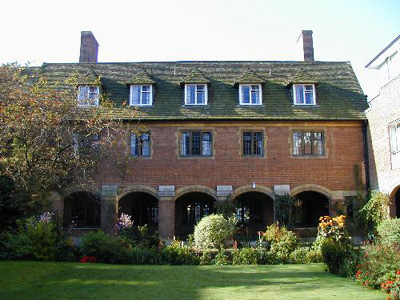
(142, 207)
(189, 209)
(397, 203)
(254, 211)
(308, 208)
(83, 209)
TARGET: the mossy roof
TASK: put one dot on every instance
(339, 95)
(141, 77)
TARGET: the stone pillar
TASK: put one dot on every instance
(57, 204)
(166, 217)
(109, 213)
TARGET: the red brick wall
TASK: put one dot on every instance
(343, 143)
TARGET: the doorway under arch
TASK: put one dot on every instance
(142, 207)
(190, 208)
(83, 209)
(254, 211)
(308, 207)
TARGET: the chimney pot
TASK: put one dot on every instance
(89, 48)
(305, 41)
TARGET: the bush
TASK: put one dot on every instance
(375, 211)
(106, 248)
(222, 258)
(305, 255)
(389, 232)
(245, 256)
(378, 263)
(175, 254)
(38, 238)
(282, 242)
(214, 231)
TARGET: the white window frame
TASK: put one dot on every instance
(304, 94)
(195, 94)
(84, 99)
(394, 139)
(132, 86)
(241, 97)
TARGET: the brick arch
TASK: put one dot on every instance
(249, 188)
(195, 189)
(137, 189)
(394, 188)
(77, 189)
(311, 188)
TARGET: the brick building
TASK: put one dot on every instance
(238, 131)
(384, 123)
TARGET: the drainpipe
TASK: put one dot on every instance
(366, 156)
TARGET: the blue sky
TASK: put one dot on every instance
(49, 31)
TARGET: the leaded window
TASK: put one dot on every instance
(140, 144)
(308, 143)
(253, 143)
(196, 143)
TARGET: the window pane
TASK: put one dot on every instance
(185, 143)
(145, 98)
(245, 94)
(258, 143)
(255, 94)
(133, 144)
(201, 95)
(246, 143)
(307, 142)
(309, 93)
(206, 144)
(297, 149)
(145, 144)
(195, 143)
(190, 94)
(299, 94)
(135, 95)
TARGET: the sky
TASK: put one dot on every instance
(180, 30)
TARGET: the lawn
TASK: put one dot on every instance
(42, 280)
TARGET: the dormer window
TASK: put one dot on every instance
(196, 94)
(304, 94)
(88, 95)
(250, 94)
(141, 95)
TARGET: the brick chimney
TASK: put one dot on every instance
(89, 48)
(305, 46)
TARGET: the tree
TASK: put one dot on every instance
(47, 142)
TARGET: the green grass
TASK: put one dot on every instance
(49, 280)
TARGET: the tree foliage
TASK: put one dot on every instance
(46, 140)
(376, 210)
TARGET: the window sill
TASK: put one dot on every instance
(139, 105)
(305, 105)
(310, 156)
(251, 105)
(196, 157)
(194, 105)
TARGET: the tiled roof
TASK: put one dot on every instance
(339, 96)
(195, 76)
(142, 77)
(249, 77)
(301, 76)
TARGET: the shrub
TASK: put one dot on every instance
(214, 231)
(375, 211)
(38, 238)
(378, 263)
(305, 255)
(106, 248)
(389, 232)
(245, 256)
(334, 254)
(177, 254)
(222, 258)
(282, 241)
(206, 258)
